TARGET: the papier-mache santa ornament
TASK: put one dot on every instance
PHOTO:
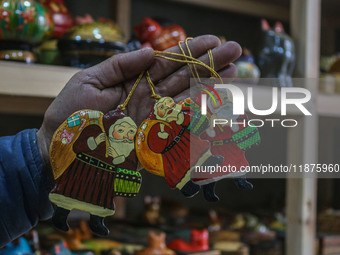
(163, 144)
(230, 141)
(93, 160)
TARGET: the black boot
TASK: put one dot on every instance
(97, 225)
(59, 218)
(242, 183)
(209, 192)
(190, 189)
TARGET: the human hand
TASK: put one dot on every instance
(104, 86)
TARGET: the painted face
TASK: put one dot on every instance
(124, 132)
(165, 107)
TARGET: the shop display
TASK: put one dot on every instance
(151, 214)
(17, 247)
(61, 17)
(151, 33)
(60, 249)
(214, 222)
(232, 248)
(199, 241)
(276, 57)
(23, 23)
(17, 51)
(88, 44)
(100, 246)
(156, 245)
(248, 72)
(174, 211)
(93, 160)
(330, 76)
(49, 53)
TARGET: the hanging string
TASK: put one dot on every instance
(211, 59)
(195, 72)
(189, 59)
(123, 106)
(153, 87)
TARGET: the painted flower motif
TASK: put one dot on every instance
(5, 14)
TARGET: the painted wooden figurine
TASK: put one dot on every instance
(156, 246)
(93, 160)
(230, 141)
(199, 241)
(163, 144)
(276, 57)
(158, 37)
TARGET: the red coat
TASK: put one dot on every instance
(175, 150)
(223, 144)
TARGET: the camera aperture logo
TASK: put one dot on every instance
(225, 111)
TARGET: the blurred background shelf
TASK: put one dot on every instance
(328, 105)
(28, 88)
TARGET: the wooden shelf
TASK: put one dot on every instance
(30, 88)
(249, 7)
(328, 105)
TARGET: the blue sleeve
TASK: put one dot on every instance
(24, 185)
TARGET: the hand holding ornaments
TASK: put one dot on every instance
(108, 96)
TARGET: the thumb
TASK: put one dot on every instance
(121, 67)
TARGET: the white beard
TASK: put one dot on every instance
(225, 112)
(122, 148)
(176, 110)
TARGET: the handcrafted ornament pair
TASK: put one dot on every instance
(94, 156)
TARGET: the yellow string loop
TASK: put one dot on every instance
(123, 106)
(153, 87)
(188, 59)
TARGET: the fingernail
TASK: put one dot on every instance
(146, 49)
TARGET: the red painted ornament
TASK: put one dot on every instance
(61, 17)
(160, 38)
(163, 144)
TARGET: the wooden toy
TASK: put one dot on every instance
(156, 245)
(23, 23)
(151, 213)
(93, 160)
(88, 44)
(163, 144)
(214, 222)
(199, 242)
(76, 235)
(159, 38)
(248, 72)
(175, 211)
(61, 17)
(275, 63)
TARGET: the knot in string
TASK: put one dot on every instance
(181, 58)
